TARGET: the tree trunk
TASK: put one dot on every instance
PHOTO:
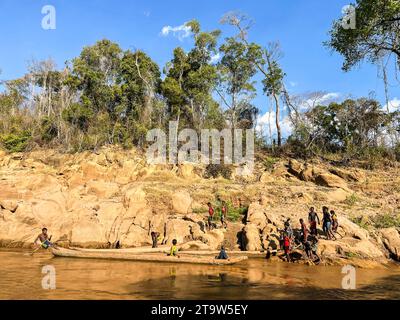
(278, 126)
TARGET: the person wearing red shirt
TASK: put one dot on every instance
(286, 247)
(224, 213)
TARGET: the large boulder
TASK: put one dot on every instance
(331, 181)
(251, 237)
(349, 175)
(135, 236)
(350, 248)
(350, 229)
(337, 195)
(214, 238)
(256, 215)
(307, 174)
(391, 240)
(178, 229)
(295, 167)
(267, 177)
(181, 202)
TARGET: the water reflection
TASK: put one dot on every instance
(254, 279)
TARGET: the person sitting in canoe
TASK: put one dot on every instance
(44, 239)
(174, 249)
(222, 254)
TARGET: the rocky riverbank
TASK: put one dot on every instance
(100, 199)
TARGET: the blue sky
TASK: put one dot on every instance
(300, 26)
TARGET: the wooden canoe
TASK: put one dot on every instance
(166, 249)
(157, 257)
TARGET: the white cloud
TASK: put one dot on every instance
(181, 32)
(393, 105)
(318, 99)
(215, 58)
(328, 97)
(147, 13)
(293, 83)
(266, 122)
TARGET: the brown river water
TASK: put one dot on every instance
(21, 278)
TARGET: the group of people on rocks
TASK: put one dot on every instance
(223, 215)
(308, 237)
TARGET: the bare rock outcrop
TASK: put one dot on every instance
(391, 240)
(331, 181)
(181, 202)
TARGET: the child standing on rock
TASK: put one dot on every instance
(286, 247)
(224, 213)
(210, 215)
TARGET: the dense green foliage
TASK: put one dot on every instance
(376, 33)
(357, 129)
(108, 95)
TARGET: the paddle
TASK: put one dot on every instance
(33, 252)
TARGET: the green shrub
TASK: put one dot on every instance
(382, 221)
(78, 115)
(351, 200)
(16, 142)
(48, 130)
(362, 222)
(269, 163)
(235, 214)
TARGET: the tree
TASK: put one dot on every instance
(190, 80)
(117, 89)
(267, 64)
(236, 70)
(273, 84)
(95, 73)
(139, 79)
(377, 33)
(352, 128)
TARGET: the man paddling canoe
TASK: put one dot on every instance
(44, 239)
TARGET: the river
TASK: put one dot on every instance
(21, 278)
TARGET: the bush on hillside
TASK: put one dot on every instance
(16, 142)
